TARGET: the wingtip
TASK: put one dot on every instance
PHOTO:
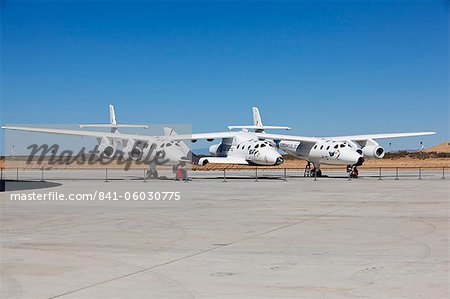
(429, 133)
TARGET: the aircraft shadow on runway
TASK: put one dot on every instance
(12, 185)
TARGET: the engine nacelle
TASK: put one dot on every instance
(213, 149)
(219, 150)
(132, 151)
(203, 161)
(105, 149)
(373, 152)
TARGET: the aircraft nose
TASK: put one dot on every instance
(279, 161)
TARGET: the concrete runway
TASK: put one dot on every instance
(331, 238)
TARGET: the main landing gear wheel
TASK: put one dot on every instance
(318, 173)
(152, 173)
(311, 173)
(307, 172)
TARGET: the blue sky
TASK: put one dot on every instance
(324, 68)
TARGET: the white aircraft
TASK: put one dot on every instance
(151, 150)
(336, 150)
(240, 147)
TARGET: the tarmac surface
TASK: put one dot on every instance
(300, 238)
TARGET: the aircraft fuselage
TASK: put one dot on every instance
(324, 152)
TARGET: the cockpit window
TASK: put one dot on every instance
(169, 144)
(263, 145)
(256, 146)
(315, 146)
(328, 147)
(342, 145)
(321, 147)
(249, 147)
(336, 146)
(162, 145)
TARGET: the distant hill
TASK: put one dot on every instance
(441, 148)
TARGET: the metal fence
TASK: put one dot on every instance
(256, 173)
(379, 173)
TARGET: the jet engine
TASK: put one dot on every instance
(221, 149)
(373, 152)
(106, 149)
(213, 149)
(132, 151)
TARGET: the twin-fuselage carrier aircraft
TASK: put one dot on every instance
(151, 150)
(249, 146)
(253, 146)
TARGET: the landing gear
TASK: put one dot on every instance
(315, 172)
(307, 170)
(352, 171)
(152, 173)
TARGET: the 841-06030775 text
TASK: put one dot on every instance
(163, 195)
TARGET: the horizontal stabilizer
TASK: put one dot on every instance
(260, 128)
(221, 160)
(81, 133)
(115, 126)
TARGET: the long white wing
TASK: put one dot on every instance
(260, 127)
(207, 136)
(379, 136)
(81, 133)
(341, 138)
(112, 126)
(286, 137)
(232, 134)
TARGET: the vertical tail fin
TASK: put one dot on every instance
(257, 122)
(258, 126)
(112, 115)
(112, 123)
(171, 132)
